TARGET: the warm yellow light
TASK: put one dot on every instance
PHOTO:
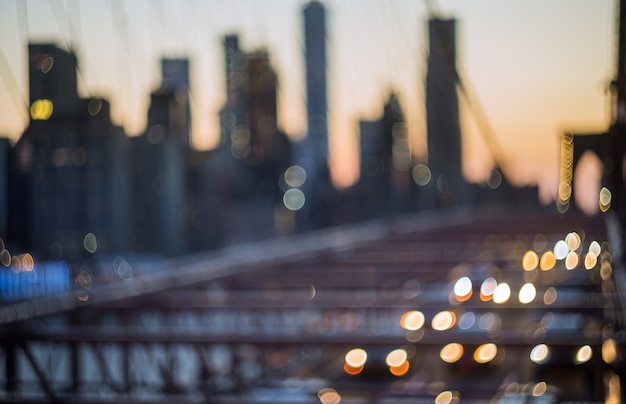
(583, 354)
(548, 261)
(530, 260)
(356, 357)
(400, 370)
(328, 395)
(485, 353)
(609, 351)
(444, 320)
(573, 241)
(412, 320)
(605, 199)
(396, 357)
(590, 260)
(41, 110)
(487, 288)
(540, 389)
(571, 260)
(451, 353)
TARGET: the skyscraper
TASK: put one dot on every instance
(315, 61)
(442, 111)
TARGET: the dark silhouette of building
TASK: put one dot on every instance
(442, 115)
(254, 152)
(312, 152)
(384, 186)
(69, 178)
(160, 165)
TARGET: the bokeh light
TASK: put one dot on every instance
(485, 353)
(572, 260)
(487, 288)
(583, 354)
(502, 293)
(540, 354)
(561, 249)
(530, 260)
(294, 199)
(396, 357)
(444, 320)
(463, 289)
(451, 352)
(356, 357)
(550, 295)
(548, 261)
(527, 293)
(573, 241)
(412, 320)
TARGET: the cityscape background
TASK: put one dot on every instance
(536, 68)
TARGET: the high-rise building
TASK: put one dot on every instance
(316, 97)
(442, 110)
(175, 76)
(69, 172)
(160, 166)
(232, 115)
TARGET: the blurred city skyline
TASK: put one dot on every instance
(536, 68)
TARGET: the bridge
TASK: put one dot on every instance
(325, 316)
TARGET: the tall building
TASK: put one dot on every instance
(232, 115)
(175, 75)
(69, 172)
(315, 61)
(312, 153)
(384, 184)
(442, 111)
(160, 166)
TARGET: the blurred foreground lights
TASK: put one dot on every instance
(463, 289)
(591, 259)
(549, 297)
(41, 110)
(530, 260)
(451, 353)
(487, 288)
(540, 389)
(572, 260)
(604, 201)
(294, 199)
(527, 293)
(447, 397)
(356, 358)
(485, 353)
(421, 175)
(90, 243)
(397, 362)
(295, 176)
(595, 248)
(540, 354)
(609, 351)
(573, 241)
(561, 249)
(396, 357)
(329, 396)
(502, 293)
(548, 261)
(583, 354)
(444, 320)
(412, 320)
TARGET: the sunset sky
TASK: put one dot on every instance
(536, 67)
